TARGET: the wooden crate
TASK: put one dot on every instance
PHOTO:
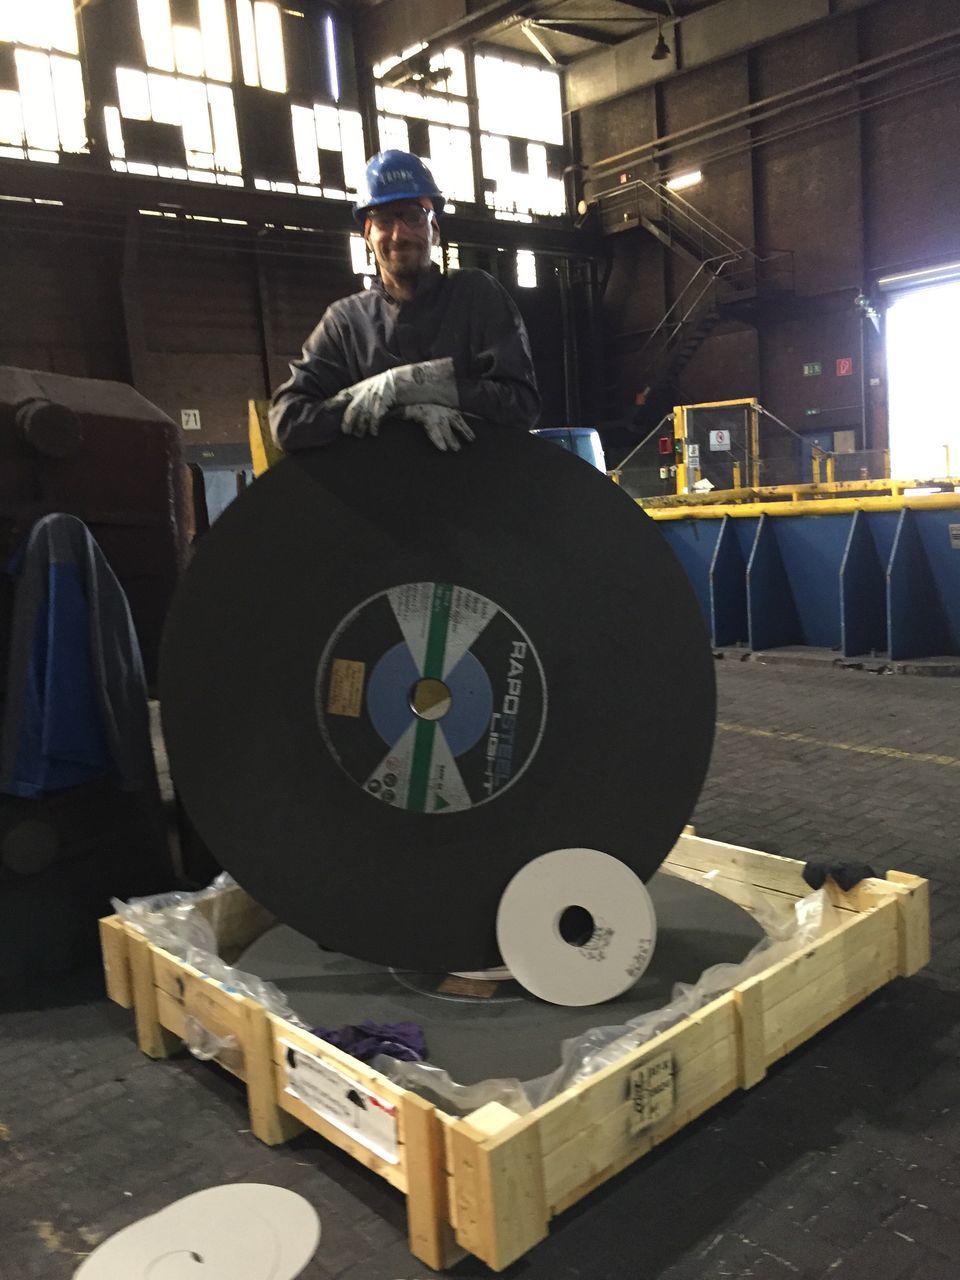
(489, 1183)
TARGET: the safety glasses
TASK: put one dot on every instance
(414, 216)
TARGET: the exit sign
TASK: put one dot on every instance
(813, 369)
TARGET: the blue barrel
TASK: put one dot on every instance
(583, 441)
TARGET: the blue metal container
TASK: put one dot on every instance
(861, 582)
(583, 441)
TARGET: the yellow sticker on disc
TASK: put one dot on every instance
(345, 695)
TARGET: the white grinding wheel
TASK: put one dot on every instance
(576, 927)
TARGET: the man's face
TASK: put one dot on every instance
(401, 235)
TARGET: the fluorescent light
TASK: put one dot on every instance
(684, 180)
(927, 275)
(332, 60)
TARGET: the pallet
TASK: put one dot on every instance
(488, 1184)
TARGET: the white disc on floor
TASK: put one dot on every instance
(244, 1231)
(576, 927)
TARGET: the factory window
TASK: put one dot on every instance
(521, 152)
(45, 114)
(361, 259)
(526, 269)
(202, 51)
(171, 111)
(501, 84)
(431, 118)
(261, 45)
(330, 151)
(204, 113)
(186, 87)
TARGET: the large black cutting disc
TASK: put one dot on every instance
(393, 676)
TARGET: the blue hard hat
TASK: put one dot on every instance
(395, 175)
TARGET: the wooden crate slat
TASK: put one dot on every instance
(116, 961)
(631, 1156)
(914, 906)
(824, 965)
(155, 1040)
(237, 919)
(428, 1186)
(392, 1173)
(588, 1103)
(740, 891)
(219, 1011)
(765, 871)
(700, 1079)
(498, 1179)
(838, 980)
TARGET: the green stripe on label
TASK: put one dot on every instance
(432, 668)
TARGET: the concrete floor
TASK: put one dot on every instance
(843, 1163)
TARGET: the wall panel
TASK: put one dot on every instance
(618, 125)
(824, 338)
(59, 304)
(911, 168)
(725, 195)
(726, 367)
(808, 184)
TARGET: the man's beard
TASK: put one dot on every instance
(408, 266)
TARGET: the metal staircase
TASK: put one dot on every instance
(726, 272)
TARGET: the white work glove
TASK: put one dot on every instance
(444, 426)
(429, 382)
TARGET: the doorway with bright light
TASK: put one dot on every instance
(923, 352)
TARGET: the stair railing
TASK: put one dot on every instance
(688, 302)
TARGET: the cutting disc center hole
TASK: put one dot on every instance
(576, 926)
(430, 699)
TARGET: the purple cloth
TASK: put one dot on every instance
(364, 1040)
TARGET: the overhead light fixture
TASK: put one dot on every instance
(661, 49)
(684, 180)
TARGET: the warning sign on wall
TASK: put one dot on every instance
(720, 441)
(844, 366)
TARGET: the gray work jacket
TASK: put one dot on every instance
(466, 315)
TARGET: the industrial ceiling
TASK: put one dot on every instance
(561, 31)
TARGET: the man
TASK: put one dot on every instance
(443, 351)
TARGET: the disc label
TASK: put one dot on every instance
(454, 705)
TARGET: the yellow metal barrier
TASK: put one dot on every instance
(264, 452)
(814, 507)
(788, 494)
